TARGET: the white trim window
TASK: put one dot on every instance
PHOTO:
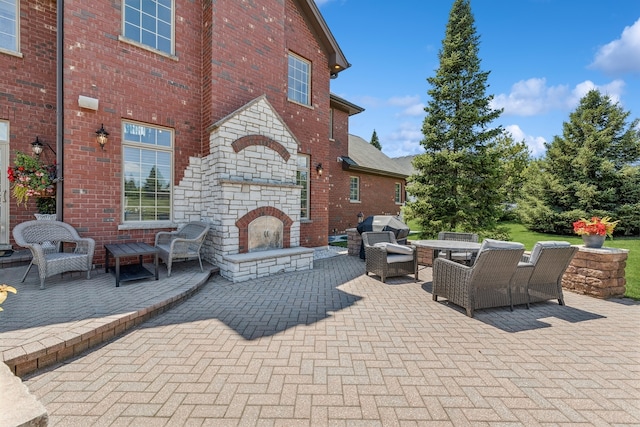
(150, 23)
(354, 189)
(147, 178)
(398, 196)
(302, 179)
(299, 80)
(9, 25)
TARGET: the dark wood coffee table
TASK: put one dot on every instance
(130, 271)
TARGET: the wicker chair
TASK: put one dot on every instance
(464, 257)
(539, 275)
(40, 236)
(485, 284)
(386, 258)
(181, 245)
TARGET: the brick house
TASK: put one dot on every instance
(216, 111)
(364, 181)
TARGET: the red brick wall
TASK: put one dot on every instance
(28, 89)
(241, 50)
(131, 83)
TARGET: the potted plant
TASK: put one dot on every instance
(30, 178)
(595, 230)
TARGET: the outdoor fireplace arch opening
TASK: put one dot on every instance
(264, 229)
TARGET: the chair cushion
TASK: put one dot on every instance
(394, 248)
(539, 246)
(499, 244)
(391, 258)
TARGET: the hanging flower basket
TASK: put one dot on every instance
(30, 178)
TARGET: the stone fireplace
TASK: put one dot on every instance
(248, 193)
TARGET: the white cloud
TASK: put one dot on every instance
(621, 55)
(535, 143)
(533, 97)
(403, 101)
(403, 141)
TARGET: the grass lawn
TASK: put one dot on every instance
(632, 271)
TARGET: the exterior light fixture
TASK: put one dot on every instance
(319, 169)
(37, 147)
(102, 136)
(360, 217)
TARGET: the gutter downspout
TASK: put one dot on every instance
(59, 108)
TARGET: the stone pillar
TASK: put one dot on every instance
(597, 272)
(425, 256)
(353, 242)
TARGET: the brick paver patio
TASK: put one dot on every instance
(335, 347)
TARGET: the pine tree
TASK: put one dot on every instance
(374, 141)
(457, 179)
(592, 170)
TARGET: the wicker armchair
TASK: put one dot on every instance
(181, 245)
(485, 284)
(386, 258)
(40, 236)
(464, 257)
(539, 275)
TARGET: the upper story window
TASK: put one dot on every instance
(354, 189)
(302, 179)
(398, 196)
(147, 177)
(299, 80)
(9, 25)
(149, 22)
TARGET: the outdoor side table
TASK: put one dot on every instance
(129, 272)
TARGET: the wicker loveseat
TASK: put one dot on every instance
(485, 284)
(43, 238)
(181, 245)
(386, 258)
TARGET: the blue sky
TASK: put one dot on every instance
(542, 55)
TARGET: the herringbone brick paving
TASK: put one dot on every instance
(333, 347)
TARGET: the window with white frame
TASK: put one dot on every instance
(331, 111)
(354, 189)
(9, 25)
(149, 22)
(302, 179)
(147, 177)
(398, 197)
(299, 80)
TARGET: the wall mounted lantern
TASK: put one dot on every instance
(102, 136)
(360, 217)
(37, 147)
(319, 169)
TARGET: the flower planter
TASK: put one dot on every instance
(593, 240)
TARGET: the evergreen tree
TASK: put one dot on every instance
(457, 179)
(374, 141)
(592, 170)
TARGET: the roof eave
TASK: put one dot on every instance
(337, 61)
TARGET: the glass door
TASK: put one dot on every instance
(5, 191)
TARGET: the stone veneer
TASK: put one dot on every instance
(250, 172)
(597, 272)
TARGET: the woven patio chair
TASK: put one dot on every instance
(181, 245)
(485, 284)
(40, 236)
(464, 257)
(546, 264)
(386, 258)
